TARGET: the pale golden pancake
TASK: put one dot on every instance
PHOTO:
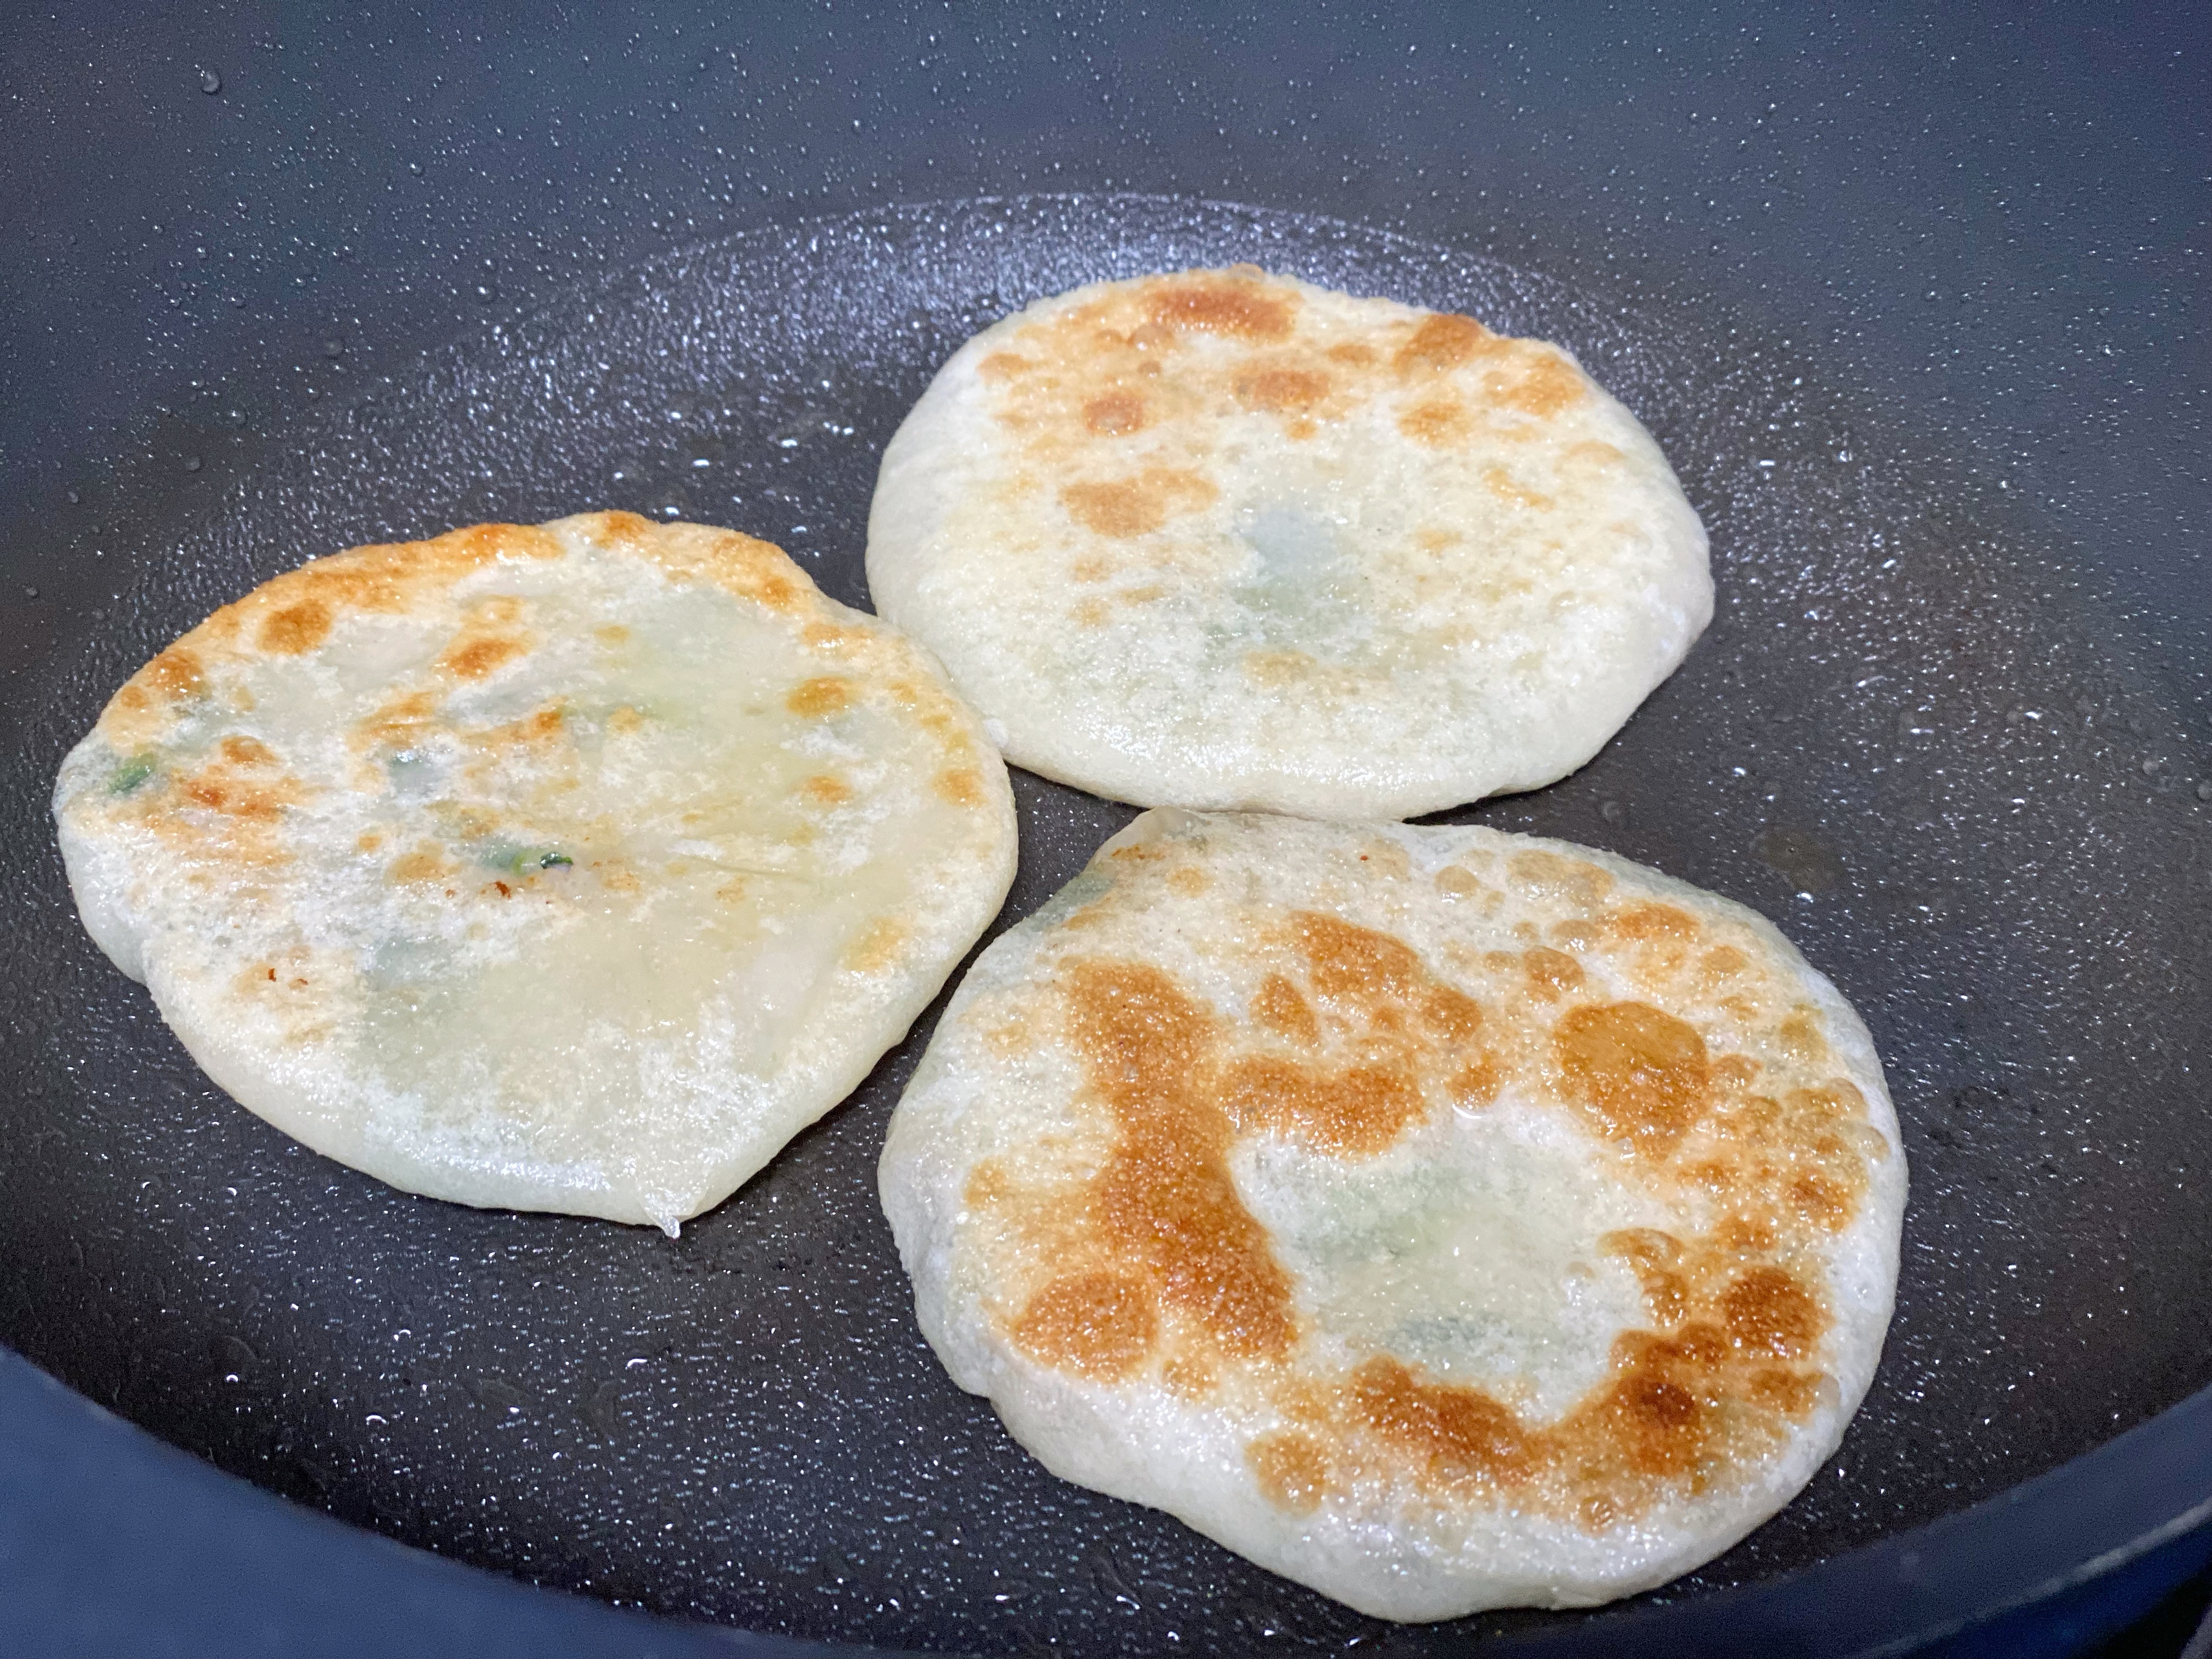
(573, 867)
(1222, 539)
(1442, 1219)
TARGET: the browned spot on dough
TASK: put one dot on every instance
(1164, 1202)
(369, 841)
(250, 802)
(825, 790)
(816, 699)
(1454, 1014)
(963, 786)
(1352, 353)
(1820, 1201)
(1793, 1393)
(1387, 857)
(619, 527)
(1435, 421)
(1353, 1112)
(1502, 484)
(1642, 1074)
(242, 751)
(1455, 883)
(1189, 880)
(297, 628)
(1573, 934)
(774, 591)
(1800, 1036)
(1596, 1511)
(1349, 960)
(1734, 1071)
(1746, 1235)
(1291, 1470)
(610, 634)
(1548, 383)
(876, 949)
(1551, 875)
(1191, 1377)
(1280, 391)
(1722, 963)
(1443, 341)
(1660, 921)
(988, 1182)
(1453, 1434)
(1003, 366)
(1840, 1096)
(425, 864)
(1213, 306)
(1767, 1309)
(175, 674)
(1115, 413)
(1646, 1420)
(1277, 667)
(474, 659)
(625, 720)
(398, 724)
(1090, 613)
(1553, 973)
(1100, 1325)
(1279, 1006)
(1139, 505)
(1646, 1248)
(541, 726)
(1473, 1085)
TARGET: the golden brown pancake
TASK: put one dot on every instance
(1445, 1219)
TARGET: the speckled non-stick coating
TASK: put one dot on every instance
(1908, 737)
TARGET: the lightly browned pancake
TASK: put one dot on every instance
(572, 867)
(1223, 540)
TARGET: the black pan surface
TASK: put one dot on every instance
(1971, 794)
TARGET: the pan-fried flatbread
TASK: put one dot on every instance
(1226, 540)
(1443, 1218)
(570, 868)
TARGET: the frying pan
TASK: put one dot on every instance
(1948, 729)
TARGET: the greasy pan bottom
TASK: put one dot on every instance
(1907, 737)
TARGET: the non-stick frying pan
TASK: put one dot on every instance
(1949, 739)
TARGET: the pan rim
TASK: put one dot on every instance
(2147, 1487)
